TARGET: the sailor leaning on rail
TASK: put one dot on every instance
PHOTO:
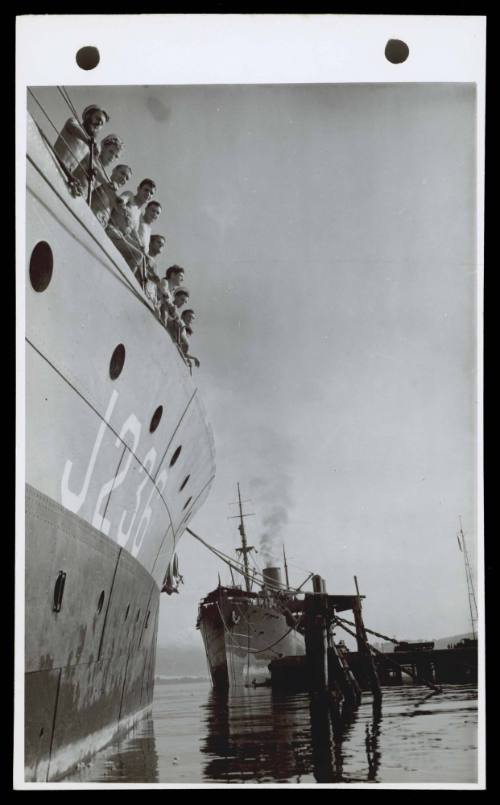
(127, 217)
(109, 150)
(76, 139)
(105, 196)
(156, 245)
(130, 225)
(187, 318)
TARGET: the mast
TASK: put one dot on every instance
(469, 579)
(286, 569)
(245, 548)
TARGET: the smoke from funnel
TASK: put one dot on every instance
(274, 517)
(271, 538)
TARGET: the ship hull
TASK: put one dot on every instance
(119, 456)
(89, 665)
(242, 637)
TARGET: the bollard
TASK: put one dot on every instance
(319, 584)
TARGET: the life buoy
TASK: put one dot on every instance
(235, 617)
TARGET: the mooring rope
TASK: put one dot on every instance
(239, 567)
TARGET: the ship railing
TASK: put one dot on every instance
(74, 188)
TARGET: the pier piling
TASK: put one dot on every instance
(316, 640)
(363, 646)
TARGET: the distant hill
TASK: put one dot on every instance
(177, 660)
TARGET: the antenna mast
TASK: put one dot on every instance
(286, 569)
(470, 582)
(245, 549)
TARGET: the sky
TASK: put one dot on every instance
(328, 236)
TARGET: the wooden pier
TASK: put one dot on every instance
(330, 666)
(325, 667)
(451, 666)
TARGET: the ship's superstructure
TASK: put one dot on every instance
(244, 629)
(119, 457)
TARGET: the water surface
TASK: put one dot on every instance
(257, 736)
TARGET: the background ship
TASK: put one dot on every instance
(119, 457)
(244, 629)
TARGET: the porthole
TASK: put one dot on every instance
(175, 456)
(41, 265)
(186, 479)
(188, 501)
(155, 421)
(127, 611)
(58, 591)
(116, 362)
(100, 603)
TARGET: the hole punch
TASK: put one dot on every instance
(88, 57)
(396, 51)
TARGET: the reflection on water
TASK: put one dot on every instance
(139, 763)
(259, 736)
(132, 759)
(270, 737)
(252, 735)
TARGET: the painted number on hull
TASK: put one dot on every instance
(124, 536)
(133, 426)
(75, 500)
(130, 528)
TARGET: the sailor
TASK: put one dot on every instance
(124, 223)
(174, 277)
(136, 202)
(74, 140)
(148, 217)
(151, 214)
(109, 150)
(156, 245)
(187, 318)
(174, 321)
(105, 196)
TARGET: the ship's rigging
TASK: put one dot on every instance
(242, 567)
